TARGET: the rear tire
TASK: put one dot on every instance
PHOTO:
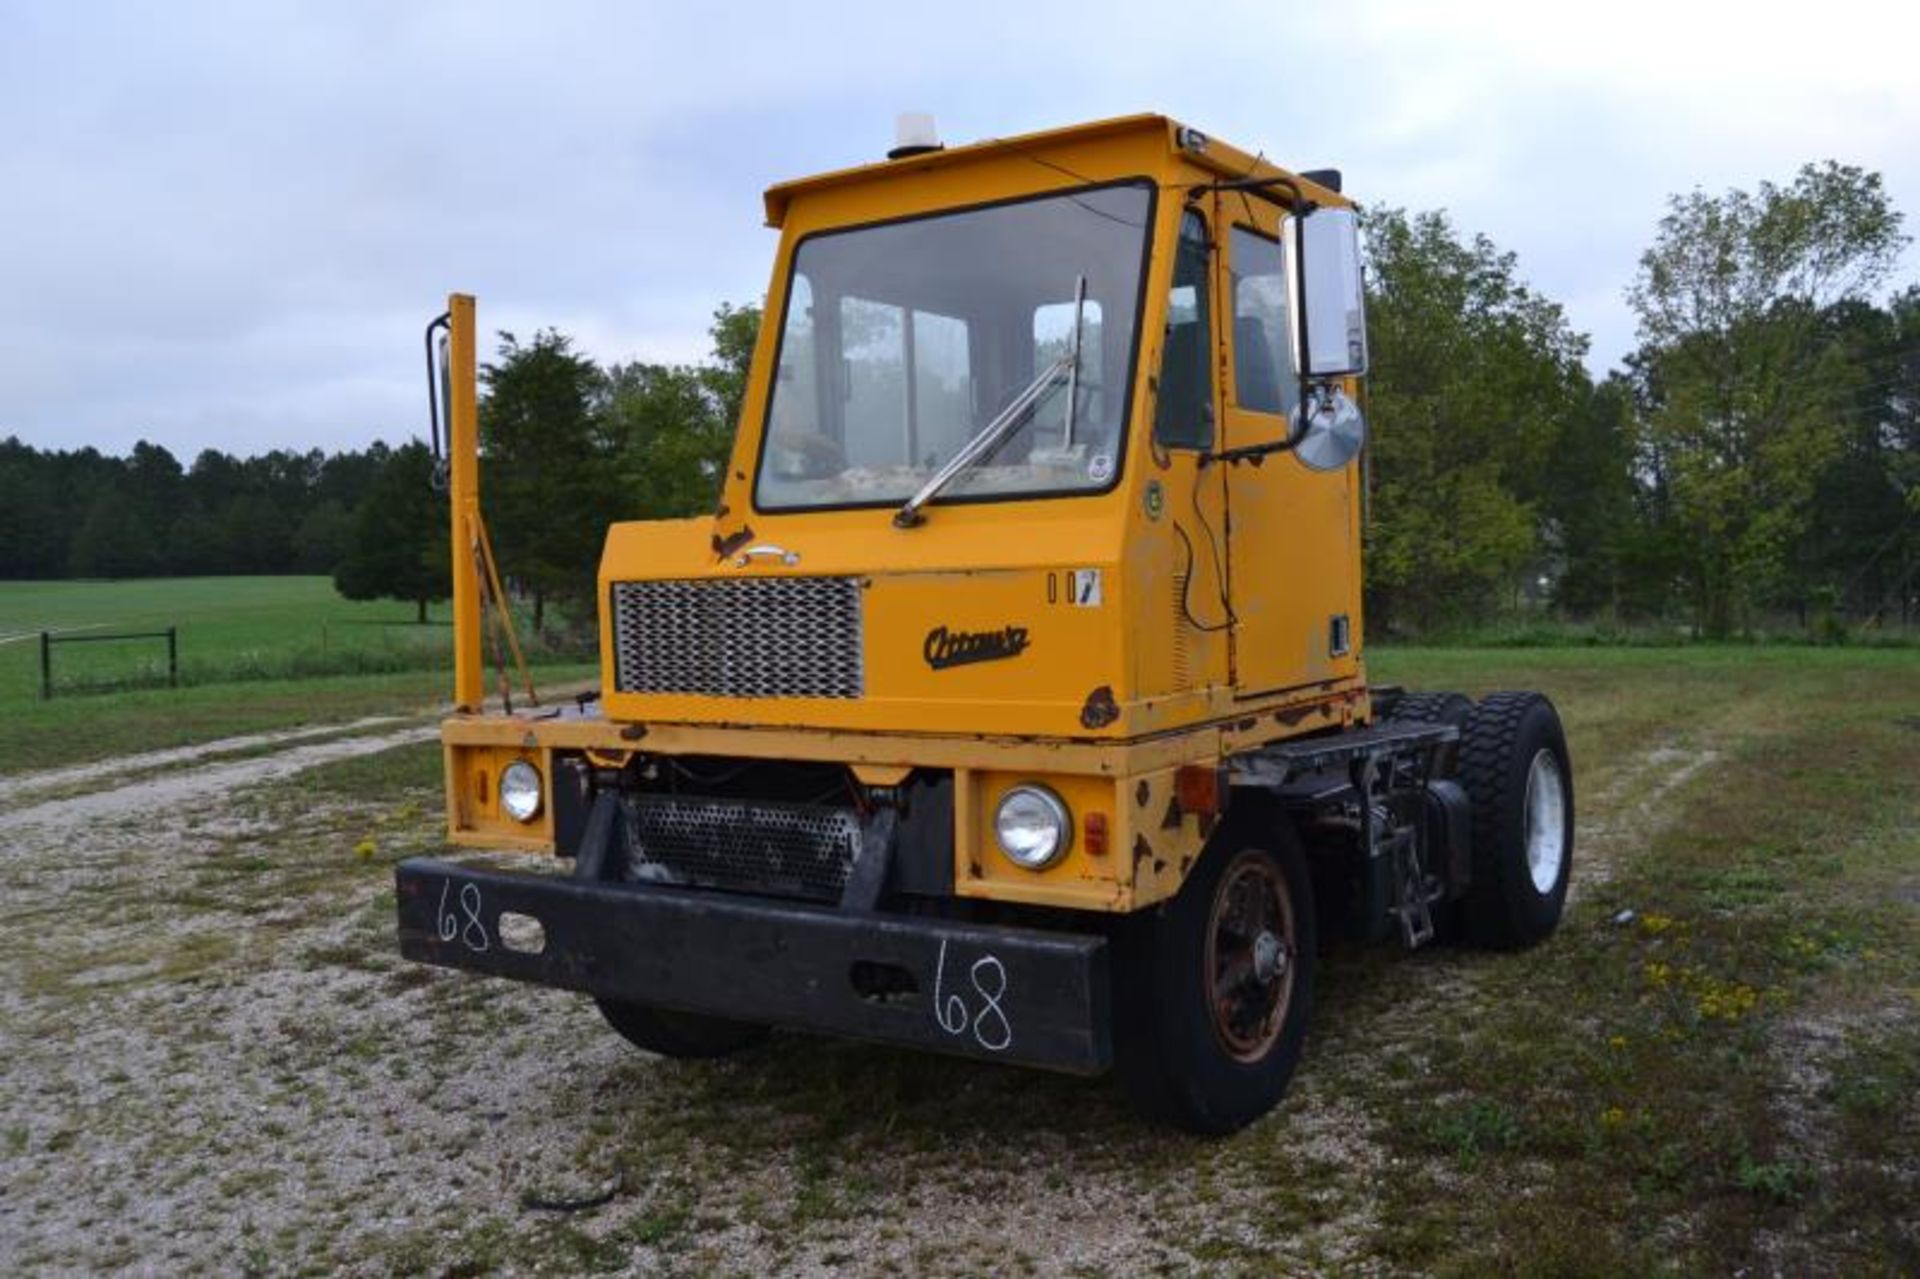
(1213, 989)
(1519, 781)
(671, 1033)
(1435, 708)
(1432, 708)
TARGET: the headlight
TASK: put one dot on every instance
(520, 791)
(1032, 826)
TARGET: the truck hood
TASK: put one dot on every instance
(987, 619)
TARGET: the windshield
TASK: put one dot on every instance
(904, 341)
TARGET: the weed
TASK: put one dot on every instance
(1472, 1128)
(1778, 1181)
(658, 1226)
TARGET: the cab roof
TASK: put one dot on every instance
(1221, 158)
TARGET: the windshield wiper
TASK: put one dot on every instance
(1002, 426)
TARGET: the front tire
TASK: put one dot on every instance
(1214, 988)
(671, 1033)
(1519, 782)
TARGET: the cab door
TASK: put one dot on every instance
(1293, 545)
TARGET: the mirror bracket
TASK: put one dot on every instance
(1296, 432)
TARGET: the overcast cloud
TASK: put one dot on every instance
(225, 224)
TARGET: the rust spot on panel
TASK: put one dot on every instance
(1142, 851)
(1100, 709)
(1246, 725)
(725, 546)
(1291, 715)
(720, 511)
(1142, 793)
(1159, 868)
(1172, 820)
(633, 732)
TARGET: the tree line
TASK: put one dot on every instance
(567, 447)
(1756, 459)
(80, 513)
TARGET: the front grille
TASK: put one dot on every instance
(789, 850)
(769, 637)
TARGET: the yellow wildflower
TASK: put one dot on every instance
(1729, 1002)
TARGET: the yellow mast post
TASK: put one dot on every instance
(463, 457)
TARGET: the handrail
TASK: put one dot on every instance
(436, 384)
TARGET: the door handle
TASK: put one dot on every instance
(766, 550)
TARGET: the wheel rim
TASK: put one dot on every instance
(1250, 957)
(1546, 821)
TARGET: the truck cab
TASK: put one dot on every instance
(1012, 701)
(1095, 575)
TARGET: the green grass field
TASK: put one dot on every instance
(254, 652)
(230, 628)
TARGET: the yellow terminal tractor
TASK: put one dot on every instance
(1012, 702)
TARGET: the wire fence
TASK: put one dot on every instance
(48, 639)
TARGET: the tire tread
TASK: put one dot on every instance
(1488, 742)
(1431, 708)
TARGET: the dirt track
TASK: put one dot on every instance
(214, 1061)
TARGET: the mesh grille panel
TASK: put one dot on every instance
(769, 637)
(800, 850)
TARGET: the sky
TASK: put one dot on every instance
(225, 225)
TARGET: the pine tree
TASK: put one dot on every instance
(398, 549)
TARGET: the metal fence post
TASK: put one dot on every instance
(46, 666)
(173, 658)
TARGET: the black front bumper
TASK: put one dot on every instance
(1022, 995)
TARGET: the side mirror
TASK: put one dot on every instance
(1329, 305)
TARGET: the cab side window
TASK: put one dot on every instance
(1183, 411)
(1262, 367)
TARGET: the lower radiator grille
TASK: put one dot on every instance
(786, 850)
